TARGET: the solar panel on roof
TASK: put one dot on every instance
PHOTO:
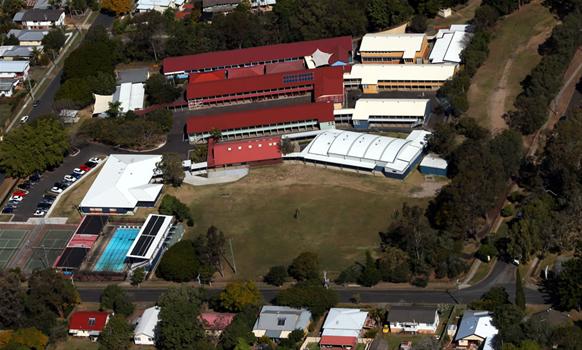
(148, 235)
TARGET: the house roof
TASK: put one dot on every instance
(13, 66)
(370, 74)
(208, 3)
(331, 340)
(340, 46)
(38, 15)
(409, 44)
(477, 323)
(433, 161)
(88, 320)
(323, 112)
(15, 51)
(276, 319)
(392, 107)
(28, 34)
(131, 96)
(244, 151)
(147, 322)
(449, 44)
(418, 314)
(345, 319)
(124, 181)
(216, 321)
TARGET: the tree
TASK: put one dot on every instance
(370, 275)
(305, 267)
(52, 290)
(54, 41)
(161, 117)
(138, 276)
(215, 243)
(34, 147)
(179, 263)
(309, 294)
(519, 292)
(240, 329)
(507, 318)
(568, 286)
(171, 205)
(238, 295)
(393, 265)
(114, 109)
(292, 341)
(27, 338)
(11, 300)
(161, 90)
(116, 334)
(179, 326)
(496, 296)
(385, 13)
(276, 276)
(418, 24)
(116, 299)
(117, 7)
(286, 146)
(75, 92)
(171, 168)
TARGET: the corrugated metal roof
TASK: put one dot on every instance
(244, 151)
(389, 107)
(13, 66)
(408, 44)
(370, 74)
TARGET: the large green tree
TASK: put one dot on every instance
(309, 294)
(34, 147)
(116, 335)
(116, 299)
(238, 295)
(172, 169)
(179, 263)
(161, 90)
(305, 267)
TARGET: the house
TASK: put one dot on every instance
(130, 96)
(433, 165)
(277, 322)
(144, 332)
(28, 37)
(387, 48)
(214, 323)
(158, 5)
(7, 87)
(476, 330)
(40, 18)
(450, 43)
(123, 184)
(413, 319)
(87, 323)
(14, 69)
(16, 52)
(342, 328)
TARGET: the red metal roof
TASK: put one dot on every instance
(323, 112)
(82, 241)
(244, 151)
(338, 341)
(209, 76)
(340, 47)
(80, 320)
(285, 67)
(330, 79)
(216, 321)
(253, 71)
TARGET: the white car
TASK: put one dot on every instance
(24, 119)
(79, 171)
(39, 212)
(95, 160)
(56, 189)
(16, 198)
(70, 178)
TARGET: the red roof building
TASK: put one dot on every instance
(216, 321)
(87, 323)
(262, 149)
(256, 122)
(326, 85)
(340, 49)
(337, 342)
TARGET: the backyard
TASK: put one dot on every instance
(512, 55)
(279, 211)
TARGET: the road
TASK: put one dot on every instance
(503, 275)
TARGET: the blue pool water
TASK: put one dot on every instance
(113, 258)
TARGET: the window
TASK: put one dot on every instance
(281, 321)
(92, 321)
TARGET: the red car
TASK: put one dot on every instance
(84, 168)
(20, 193)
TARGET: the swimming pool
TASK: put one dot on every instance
(113, 258)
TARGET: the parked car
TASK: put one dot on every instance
(24, 119)
(70, 178)
(36, 103)
(8, 210)
(42, 205)
(48, 199)
(75, 175)
(79, 171)
(90, 165)
(34, 177)
(95, 160)
(56, 189)
(25, 185)
(40, 212)
(21, 193)
(84, 168)
(13, 203)
(16, 198)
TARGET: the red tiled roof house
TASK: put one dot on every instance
(87, 323)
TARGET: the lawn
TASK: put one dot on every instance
(512, 56)
(339, 214)
(73, 343)
(394, 340)
(481, 273)
(68, 202)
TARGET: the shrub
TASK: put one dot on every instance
(276, 276)
(179, 263)
(507, 211)
(420, 281)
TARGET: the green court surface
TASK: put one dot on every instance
(10, 242)
(51, 246)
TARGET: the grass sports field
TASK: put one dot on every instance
(512, 56)
(10, 242)
(51, 246)
(339, 214)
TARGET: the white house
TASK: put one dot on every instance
(14, 69)
(40, 18)
(342, 328)
(7, 87)
(123, 184)
(277, 322)
(413, 319)
(144, 333)
(158, 5)
(476, 329)
(28, 37)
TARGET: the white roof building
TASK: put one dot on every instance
(409, 44)
(449, 44)
(130, 95)
(149, 240)
(344, 322)
(158, 5)
(144, 333)
(392, 156)
(123, 184)
(369, 111)
(14, 69)
(476, 327)
(370, 74)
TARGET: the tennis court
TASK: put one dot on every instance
(10, 242)
(49, 249)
